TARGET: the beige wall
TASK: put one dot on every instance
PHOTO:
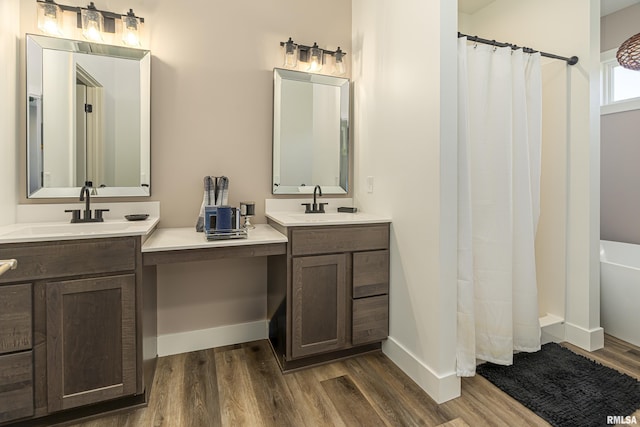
(9, 43)
(211, 112)
(619, 26)
(204, 295)
(620, 199)
(211, 94)
(620, 202)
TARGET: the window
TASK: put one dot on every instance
(619, 88)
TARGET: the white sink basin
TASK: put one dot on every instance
(295, 219)
(52, 231)
(68, 229)
(321, 217)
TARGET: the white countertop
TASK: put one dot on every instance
(52, 231)
(300, 219)
(168, 239)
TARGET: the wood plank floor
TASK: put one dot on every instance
(242, 386)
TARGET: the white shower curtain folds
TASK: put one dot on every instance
(499, 153)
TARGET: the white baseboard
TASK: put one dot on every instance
(440, 388)
(552, 328)
(202, 339)
(587, 339)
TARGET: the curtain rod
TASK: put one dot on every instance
(571, 61)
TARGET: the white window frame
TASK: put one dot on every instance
(607, 106)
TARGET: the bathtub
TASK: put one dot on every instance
(620, 290)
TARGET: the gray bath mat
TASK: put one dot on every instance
(565, 388)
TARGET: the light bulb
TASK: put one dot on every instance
(339, 69)
(50, 18)
(290, 54)
(92, 23)
(315, 58)
(130, 29)
(92, 33)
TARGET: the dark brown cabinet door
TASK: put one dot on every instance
(319, 304)
(91, 345)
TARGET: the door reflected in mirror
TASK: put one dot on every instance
(310, 133)
(88, 118)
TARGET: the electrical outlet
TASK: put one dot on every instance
(369, 184)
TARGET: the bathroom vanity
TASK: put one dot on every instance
(328, 295)
(78, 317)
(72, 333)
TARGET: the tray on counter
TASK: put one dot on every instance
(236, 233)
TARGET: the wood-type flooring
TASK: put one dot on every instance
(241, 385)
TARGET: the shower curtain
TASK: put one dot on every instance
(499, 149)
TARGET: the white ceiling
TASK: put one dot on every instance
(606, 6)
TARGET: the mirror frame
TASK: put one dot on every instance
(143, 56)
(343, 84)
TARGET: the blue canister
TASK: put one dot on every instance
(210, 218)
(223, 218)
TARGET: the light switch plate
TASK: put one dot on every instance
(369, 184)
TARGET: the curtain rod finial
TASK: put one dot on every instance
(573, 60)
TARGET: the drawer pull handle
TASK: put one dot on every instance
(8, 264)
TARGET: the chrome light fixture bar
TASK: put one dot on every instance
(94, 22)
(314, 56)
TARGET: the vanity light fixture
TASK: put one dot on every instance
(313, 56)
(628, 54)
(316, 58)
(290, 54)
(50, 18)
(130, 25)
(94, 23)
(339, 69)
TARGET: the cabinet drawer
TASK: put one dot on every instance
(370, 273)
(48, 260)
(307, 241)
(16, 386)
(370, 319)
(15, 318)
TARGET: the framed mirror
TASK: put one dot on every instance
(88, 118)
(310, 133)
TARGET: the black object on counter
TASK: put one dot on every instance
(136, 217)
(347, 209)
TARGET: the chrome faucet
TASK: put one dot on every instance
(85, 196)
(317, 207)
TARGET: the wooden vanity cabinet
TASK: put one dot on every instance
(69, 317)
(16, 354)
(328, 297)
